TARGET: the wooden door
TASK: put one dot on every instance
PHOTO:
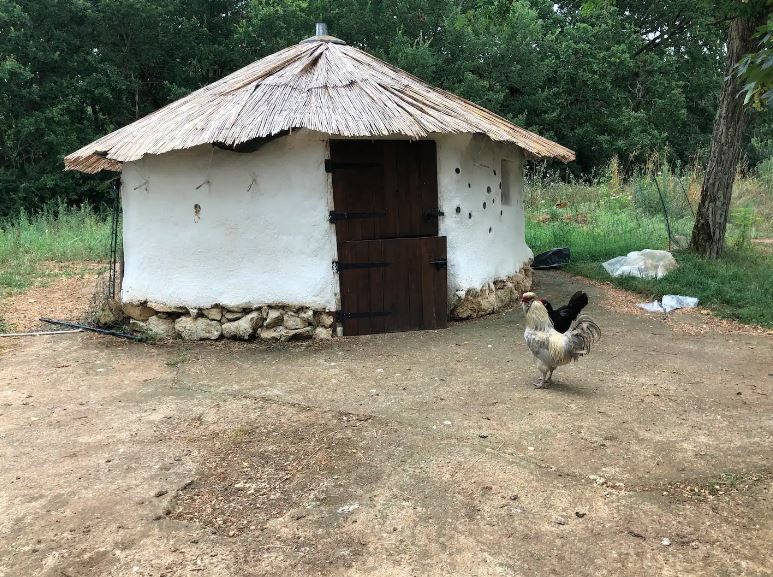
(392, 285)
(391, 263)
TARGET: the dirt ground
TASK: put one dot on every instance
(426, 454)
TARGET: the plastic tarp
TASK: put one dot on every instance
(647, 263)
(669, 303)
(551, 259)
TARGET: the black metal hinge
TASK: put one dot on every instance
(336, 216)
(439, 262)
(434, 213)
(339, 266)
(331, 165)
(341, 315)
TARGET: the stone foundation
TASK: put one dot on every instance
(495, 296)
(268, 323)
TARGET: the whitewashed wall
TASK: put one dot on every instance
(484, 244)
(262, 234)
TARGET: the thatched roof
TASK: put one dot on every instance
(320, 84)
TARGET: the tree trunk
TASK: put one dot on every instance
(708, 234)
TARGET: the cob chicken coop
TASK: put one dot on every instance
(318, 191)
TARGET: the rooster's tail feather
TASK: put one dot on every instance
(583, 334)
(578, 301)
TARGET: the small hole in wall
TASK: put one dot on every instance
(488, 189)
(489, 230)
(495, 171)
(484, 206)
(196, 212)
(469, 185)
(458, 209)
(469, 215)
(500, 186)
(501, 212)
(493, 200)
(457, 170)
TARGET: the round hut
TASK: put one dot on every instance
(318, 191)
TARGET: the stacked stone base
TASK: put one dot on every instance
(493, 297)
(267, 323)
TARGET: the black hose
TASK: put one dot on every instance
(129, 336)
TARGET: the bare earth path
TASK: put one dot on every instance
(426, 454)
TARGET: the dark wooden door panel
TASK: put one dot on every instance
(404, 289)
(394, 182)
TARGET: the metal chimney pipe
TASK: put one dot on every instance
(321, 29)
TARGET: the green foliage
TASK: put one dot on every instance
(756, 70)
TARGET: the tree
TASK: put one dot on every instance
(708, 234)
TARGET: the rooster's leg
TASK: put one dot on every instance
(550, 377)
(542, 382)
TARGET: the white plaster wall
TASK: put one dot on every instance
(262, 235)
(475, 255)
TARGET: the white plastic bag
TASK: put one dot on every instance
(670, 303)
(647, 263)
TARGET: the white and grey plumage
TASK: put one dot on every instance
(551, 348)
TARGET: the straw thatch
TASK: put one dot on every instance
(320, 84)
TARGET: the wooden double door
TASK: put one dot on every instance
(391, 262)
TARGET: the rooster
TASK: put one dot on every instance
(551, 348)
(563, 317)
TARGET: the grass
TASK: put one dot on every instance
(606, 218)
(59, 234)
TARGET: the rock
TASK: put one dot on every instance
(233, 316)
(300, 334)
(307, 315)
(558, 520)
(505, 296)
(160, 493)
(110, 314)
(198, 329)
(194, 312)
(274, 334)
(665, 541)
(323, 334)
(483, 435)
(264, 311)
(162, 308)
(213, 313)
(475, 303)
(324, 319)
(244, 328)
(294, 322)
(579, 514)
(138, 312)
(234, 308)
(138, 326)
(273, 319)
(161, 327)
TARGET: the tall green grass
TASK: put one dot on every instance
(58, 233)
(608, 217)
